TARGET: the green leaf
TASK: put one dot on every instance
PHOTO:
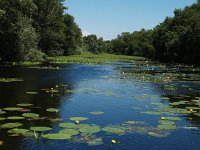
(68, 125)
(69, 132)
(18, 131)
(78, 118)
(15, 118)
(12, 108)
(57, 136)
(30, 115)
(40, 129)
(11, 125)
(2, 118)
(96, 113)
(52, 110)
(90, 129)
(24, 105)
(154, 134)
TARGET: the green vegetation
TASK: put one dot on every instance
(90, 58)
(28, 37)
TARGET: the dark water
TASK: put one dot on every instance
(104, 88)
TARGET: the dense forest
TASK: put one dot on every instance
(31, 30)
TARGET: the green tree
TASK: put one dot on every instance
(73, 36)
(15, 21)
(49, 24)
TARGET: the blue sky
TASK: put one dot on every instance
(108, 18)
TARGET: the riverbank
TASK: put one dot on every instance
(85, 58)
(90, 58)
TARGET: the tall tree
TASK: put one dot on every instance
(15, 23)
(48, 21)
(73, 36)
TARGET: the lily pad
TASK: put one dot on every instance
(18, 131)
(15, 118)
(172, 118)
(154, 134)
(152, 113)
(24, 105)
(32, 93)
(24, 110)
(11, 125)
(68, 125)
(40, 129)
(30, 115)
(12, 108)
(52, 110)
(56, 120)
(90, 129)
(137, 108)
(113, 130)
(69, 132)
(2, 118)
(2, 112)
(96, 113)
(78, 118)
(6, 80)
(166, 126)
(132, 122)
(93, 142)
(58, 136)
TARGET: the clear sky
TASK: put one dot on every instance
(108, 18)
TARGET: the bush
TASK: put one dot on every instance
(35, 56)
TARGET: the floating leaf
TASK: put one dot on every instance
(78, 118)
(193, 108)
(40, 129)
(15, 118)
(52, 110)
(2, 118)
(11, 125)
(90, 129)
(18, 131)
(24, 110)
(10, 80)
(12, 108)
(154, 134)
(68, 125)
(96, 141)
(57, 136)
(32, 93)
(113, 130)
(197, 114)
(152, 113)
(30, 115)
(24, 105)
(172, 118)
(137, 108)
(132, 122)
(56, 120)
(2, 112)
(166, 126)
(96, 113)
(69, 132)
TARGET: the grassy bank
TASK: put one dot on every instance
(89, 58)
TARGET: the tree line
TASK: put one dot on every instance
(33, 29)
(176, 39)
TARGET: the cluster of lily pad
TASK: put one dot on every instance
(69, 130)
(152, 72)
